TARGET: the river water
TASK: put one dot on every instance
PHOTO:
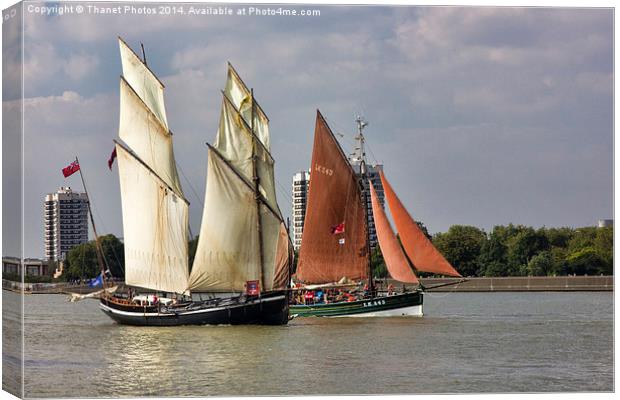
(466, 343)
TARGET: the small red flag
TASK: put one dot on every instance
(337, 229)
(252, 288)
(71, 169)
(112, 157)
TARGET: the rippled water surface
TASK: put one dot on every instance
(466, 343)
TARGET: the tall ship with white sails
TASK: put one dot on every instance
(243, 259)
(335, 250)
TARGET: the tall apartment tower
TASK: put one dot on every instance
(301, 184)
(372, 174)
(65, 218)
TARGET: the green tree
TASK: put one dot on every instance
(541, 264)
(559, 256)
(604, 246)
(586, 262)
(461, 246)
(558, 237)
(191, 252)
(424, 230)
(377, 263)
(114, 254)
(493, 255)
(82, 262)
(522, 247)
(582, 238)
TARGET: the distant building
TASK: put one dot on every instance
(372, 173)
(65, 216)
(602, 223)
(301, 184)
(31, 266)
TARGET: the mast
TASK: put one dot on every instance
(240, 199)
(361, 156)
(257, 195)
(100, 259)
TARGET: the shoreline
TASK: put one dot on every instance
(478, 284)
(524, 284)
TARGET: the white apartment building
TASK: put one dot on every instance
(372, 174)
(65, 216)
(301, 184)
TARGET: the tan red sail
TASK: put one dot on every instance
(421, 252)
(328, 254)
(395, 260)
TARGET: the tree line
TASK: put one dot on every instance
(518, 250)
(507, 250)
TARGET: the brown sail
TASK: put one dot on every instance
(421, 252)
(334, 236)
(395, 260)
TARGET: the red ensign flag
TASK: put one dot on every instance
(338, 229)
(71, 169)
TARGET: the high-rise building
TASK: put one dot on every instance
(301, 184)
(65, 218)
(372, 175)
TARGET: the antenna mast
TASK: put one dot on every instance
(360, 157)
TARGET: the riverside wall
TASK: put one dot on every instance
(500, 284)
(523, 284)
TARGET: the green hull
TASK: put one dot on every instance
(405, 304)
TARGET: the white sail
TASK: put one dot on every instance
(226, 260)
(235, 143)
(227, 255)
(144, 82)
(241, 97)
(275, 246)
(155, 221)
(147, 137)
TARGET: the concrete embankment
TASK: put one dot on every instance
(523, 284)
(46, 288)
(503, 284)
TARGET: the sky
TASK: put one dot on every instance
(481, 116)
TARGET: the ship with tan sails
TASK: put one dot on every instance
(335, 253)
(243, 259)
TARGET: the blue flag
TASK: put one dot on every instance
(96, 281)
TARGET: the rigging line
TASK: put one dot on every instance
(118, 261)
(346, 136)
(371, 153)
(284, 193)
(191, 186)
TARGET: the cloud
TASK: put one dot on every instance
(79, 66)
(56, 130)
(482, 115)
(44, 64)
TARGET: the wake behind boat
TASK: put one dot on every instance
(335, 248)
(243, 259)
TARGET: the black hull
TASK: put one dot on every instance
(271, 309)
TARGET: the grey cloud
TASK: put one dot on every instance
(481, 115)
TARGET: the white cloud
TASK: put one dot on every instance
(43, 63)
(79, 66)
(455, 97)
